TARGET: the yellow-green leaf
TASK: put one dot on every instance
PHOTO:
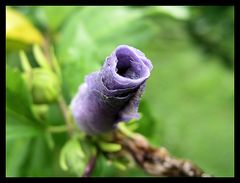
(20, 30)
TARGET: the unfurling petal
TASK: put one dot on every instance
(112, 94)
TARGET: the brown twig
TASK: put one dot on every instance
(157, 161)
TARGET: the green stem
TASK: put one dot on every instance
(66, 113)
(57, 129)
(61, 102)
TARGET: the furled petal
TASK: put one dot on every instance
(112, 94)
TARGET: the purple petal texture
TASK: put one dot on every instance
(113, 94)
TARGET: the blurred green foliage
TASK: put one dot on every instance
(188, 103)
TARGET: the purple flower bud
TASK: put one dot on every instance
(112, 94)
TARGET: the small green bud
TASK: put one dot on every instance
(109, 147)
(44, 85)
(119, 165)
(72, 157)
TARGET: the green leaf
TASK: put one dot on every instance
(77, 57)
(13, 60)
(41, 160)
(20, 118)
(16, 154)
(31, 157)
(19, 126)
(18, 97)
(147, 121)
(54, 115)
(46, 15)
(178, 12)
